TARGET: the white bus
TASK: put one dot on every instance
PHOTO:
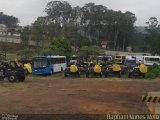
(49, 64)
(150, 60)
(139, 58)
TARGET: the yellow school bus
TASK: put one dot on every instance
(119, 59)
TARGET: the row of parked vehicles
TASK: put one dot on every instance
(118, 65)
(94, 66)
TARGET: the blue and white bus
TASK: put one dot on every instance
(48, 64)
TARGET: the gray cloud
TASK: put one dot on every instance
(28, 10)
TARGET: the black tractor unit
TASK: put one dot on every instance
(94, 70)
(138, 71)
(72, 71)
(12, 73)
(113, 70)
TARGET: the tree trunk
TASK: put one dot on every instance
(115, 39)
(124, 40)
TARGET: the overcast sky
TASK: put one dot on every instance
(28, 10)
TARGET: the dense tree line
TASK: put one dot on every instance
(94, 22)
(84, 26)
(153, 37)
(9, 21)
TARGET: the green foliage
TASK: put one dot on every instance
(94, 22)
(91, 50)
(61, 47)
(150, 75)
(26, 53)
(153, 36)
(25, 35)
(59, 11)
(37, 32)
(46, 52)
(154, 71)
(9, 21)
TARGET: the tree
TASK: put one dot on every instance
(9, 21)
(83, 26)
(61, 47)
(25, 35)
(119, 27)
(153, 36)
(58, 11)
(92, 21)
(85, 51)
(26, 53)
(46, 52)
(38, 31)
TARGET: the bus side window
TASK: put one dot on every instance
(151, 59)
(55, 60)
(147, 59)
(157, 59)
(52, 61)
(123, 57)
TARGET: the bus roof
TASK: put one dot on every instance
(120, 55)
(50, 57)
(151, 56)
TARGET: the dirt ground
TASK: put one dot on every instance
(53, 94)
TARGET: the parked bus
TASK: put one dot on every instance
(139, 59)
(49, 64)
(150, 60)
(119, 59)
(130, 61)
(106, 59)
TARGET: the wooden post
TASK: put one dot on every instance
(154, 111)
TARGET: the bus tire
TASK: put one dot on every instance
(61, 69)
(51, 72)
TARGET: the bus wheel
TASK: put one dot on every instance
(51, 72)
(61, 69)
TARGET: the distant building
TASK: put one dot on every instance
(17, 31)
(104, 44)
(3, 29)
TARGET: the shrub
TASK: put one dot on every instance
(150, 75)
(154, 71)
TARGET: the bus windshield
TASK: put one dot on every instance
(130, 62)
(74, 58)
(119, 57)
(40, 63)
